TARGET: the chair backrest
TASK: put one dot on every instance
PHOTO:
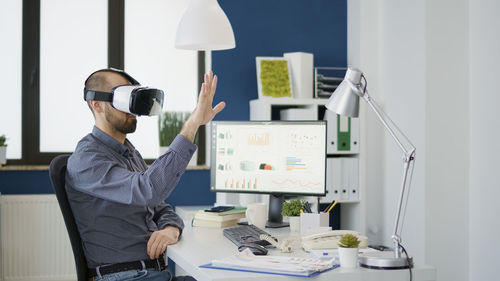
(57, 174)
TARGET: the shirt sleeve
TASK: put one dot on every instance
(99, 175)
(165, 216)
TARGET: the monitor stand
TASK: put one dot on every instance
(275, 219)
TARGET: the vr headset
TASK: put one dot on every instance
(134, 99)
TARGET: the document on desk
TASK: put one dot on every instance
(282, 265)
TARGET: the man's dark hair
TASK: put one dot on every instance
(97, 82)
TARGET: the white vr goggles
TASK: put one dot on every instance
(134, 99)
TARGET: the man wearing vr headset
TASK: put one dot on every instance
(117, 201)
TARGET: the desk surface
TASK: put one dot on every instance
(201, 245)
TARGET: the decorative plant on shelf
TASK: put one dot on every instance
(3, 150)
(3, 140)
(291, 209)
(348, 250)
(169, 125)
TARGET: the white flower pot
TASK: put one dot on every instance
(294, 223)
(348, 257)
(192, 162)
(3, 155)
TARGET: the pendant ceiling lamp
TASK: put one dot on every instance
(204, 26)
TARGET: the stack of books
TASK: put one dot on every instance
(219, 220)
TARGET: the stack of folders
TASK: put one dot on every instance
(219, 220)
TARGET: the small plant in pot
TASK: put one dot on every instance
(169, 125)
(348, 251)
(291, 209)
(3, 150)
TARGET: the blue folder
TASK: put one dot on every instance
(209, 265)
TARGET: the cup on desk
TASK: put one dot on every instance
(256, 214)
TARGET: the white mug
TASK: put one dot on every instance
(256, 214)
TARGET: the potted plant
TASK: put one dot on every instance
(348, 251)
(3, 150)
(291, 209)
(169, 125)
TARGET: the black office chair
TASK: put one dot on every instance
(58, 178)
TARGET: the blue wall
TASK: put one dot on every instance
(261, 28)
(271, 28)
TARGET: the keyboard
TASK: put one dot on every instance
(244, 234)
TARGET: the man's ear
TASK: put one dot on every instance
(97, 106)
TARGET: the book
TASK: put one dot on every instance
(236, 210)
(215, 224)
(202, 215)
(282, 265)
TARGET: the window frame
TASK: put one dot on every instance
(30, 83)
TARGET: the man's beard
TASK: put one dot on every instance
(125, 126)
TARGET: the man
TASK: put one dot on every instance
(117, 201)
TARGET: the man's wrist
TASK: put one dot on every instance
(174, 228)
(189, 129)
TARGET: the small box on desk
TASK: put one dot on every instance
(311, 223)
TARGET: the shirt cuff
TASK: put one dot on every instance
(183, 146)
(179, 226)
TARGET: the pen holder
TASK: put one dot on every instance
(311, 223)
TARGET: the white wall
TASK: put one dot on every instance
(447, 138)
(445, 54)
(388, 46)
(484, 183)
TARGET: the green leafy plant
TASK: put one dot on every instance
(348, 241)
(3, 140)
(170, 124)
(292, 208)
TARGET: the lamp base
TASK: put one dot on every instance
(384, 260)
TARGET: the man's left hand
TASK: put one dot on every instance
(160, 239)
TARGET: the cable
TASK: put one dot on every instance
(408, 259)
(283, 246)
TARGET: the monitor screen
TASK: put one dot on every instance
(273, 157)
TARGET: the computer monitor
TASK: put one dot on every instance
(270, 157)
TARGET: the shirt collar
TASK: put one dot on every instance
(109, 141)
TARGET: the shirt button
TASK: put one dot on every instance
(178, 174)
(191, 151)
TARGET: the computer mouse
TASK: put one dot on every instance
(255, 248)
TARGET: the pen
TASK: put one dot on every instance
(308, 207)
(326, 210)
(331, 207)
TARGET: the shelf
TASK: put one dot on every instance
(289, 101)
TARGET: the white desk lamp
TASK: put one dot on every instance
(204, 26)
(345, 101)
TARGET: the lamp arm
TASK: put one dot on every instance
(408, 160)
(407, 151)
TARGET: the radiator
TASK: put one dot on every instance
(34, 241)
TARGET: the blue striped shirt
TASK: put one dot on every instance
(117, 201)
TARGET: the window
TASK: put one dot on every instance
(10, 75)
(71, 47)
(61, 46)
(150, 57)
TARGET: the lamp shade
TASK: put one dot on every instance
(204, 26)
(345, 99)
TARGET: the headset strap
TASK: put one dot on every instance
(96, 95)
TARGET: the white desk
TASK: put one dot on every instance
(199, 246)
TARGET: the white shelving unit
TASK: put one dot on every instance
(268, 109)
